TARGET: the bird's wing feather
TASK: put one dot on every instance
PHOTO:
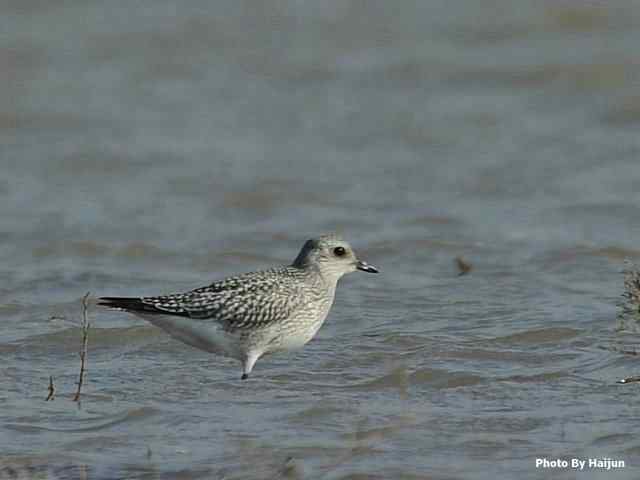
(244, 301)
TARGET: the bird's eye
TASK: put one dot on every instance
(339, 251)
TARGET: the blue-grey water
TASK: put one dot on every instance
(155, 146)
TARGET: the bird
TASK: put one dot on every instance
(257, 313)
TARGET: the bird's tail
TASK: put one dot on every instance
(131, 304)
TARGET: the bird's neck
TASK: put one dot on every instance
(323, 278)
(329, 279)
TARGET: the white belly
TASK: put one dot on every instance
(205, 335)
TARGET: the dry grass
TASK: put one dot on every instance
(83, 355)
(631, 289)
(52, 389)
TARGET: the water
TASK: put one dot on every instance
(155, 146)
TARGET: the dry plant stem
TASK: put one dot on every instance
(83, 352)
(52, 389)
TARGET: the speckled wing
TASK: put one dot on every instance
(245, 301)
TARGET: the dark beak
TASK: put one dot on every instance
(365, 267)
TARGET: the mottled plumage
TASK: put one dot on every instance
(250, 315)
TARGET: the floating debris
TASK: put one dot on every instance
(629, 380)
(464, 267)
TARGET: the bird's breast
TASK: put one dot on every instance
(302, 326)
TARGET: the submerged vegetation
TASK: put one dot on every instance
(629, 314)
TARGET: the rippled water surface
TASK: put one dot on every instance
(154, 146)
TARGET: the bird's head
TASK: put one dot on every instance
(332, 256)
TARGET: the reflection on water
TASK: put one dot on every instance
(155, 147)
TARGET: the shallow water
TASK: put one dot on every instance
(153, 147)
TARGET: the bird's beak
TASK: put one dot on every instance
(365, 267)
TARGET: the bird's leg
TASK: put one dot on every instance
(247, 364)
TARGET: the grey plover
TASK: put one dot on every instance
(253, 314)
